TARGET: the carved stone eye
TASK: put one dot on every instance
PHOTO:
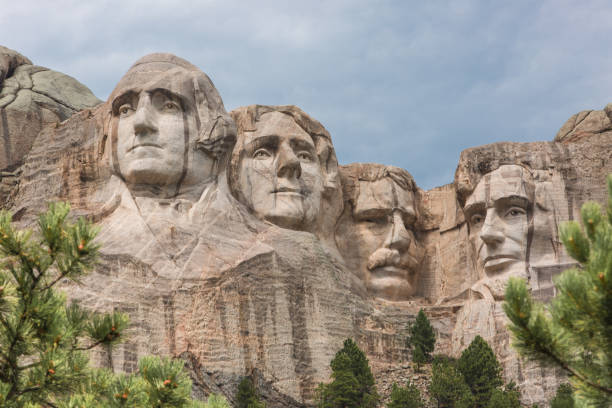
(305, 156)
(476, 219)
(170, 107)
(125, 110)
(261, 154)
(515, 212)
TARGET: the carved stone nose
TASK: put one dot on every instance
(399, 237)
(144, 117)
(492, 232)
(288, 165)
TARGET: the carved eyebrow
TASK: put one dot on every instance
(302, 144)
(474, 208)
(375, 212)
(261, 141)
(512, 201)
(121, 99)
(170, 95)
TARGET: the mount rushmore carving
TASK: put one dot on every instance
(237, 242)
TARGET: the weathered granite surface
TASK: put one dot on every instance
(236, 242)
(32, 97)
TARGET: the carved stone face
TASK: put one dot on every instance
(498, 215)
(378, 241)
(279, 173)
(167, 128)
(151, 142)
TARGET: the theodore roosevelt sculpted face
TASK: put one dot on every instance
(377, 238)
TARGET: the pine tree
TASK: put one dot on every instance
(421, 339)
(408, 396)
(563, 398)
(43, 341)
(507, 398)
(575, 330)
(448, 387)
(480, 369)
(353, 383)
(246, 397)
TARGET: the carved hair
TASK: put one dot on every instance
(355, 172)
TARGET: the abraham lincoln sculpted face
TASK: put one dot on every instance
(499, 212)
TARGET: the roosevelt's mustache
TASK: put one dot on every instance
(384, 257)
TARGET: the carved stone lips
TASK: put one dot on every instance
(497, 261)
(389, 270)
(144, 145)
(289, 191)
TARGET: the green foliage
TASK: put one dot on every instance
(575, 330)
(504, 399)
(448, 387)
(246, 397)
(216, 401)
(480, 369)
(353, 382)
(421, 339)
(166, 383)
(43, 341)
(408, 396)
(563, 398)
(507, 398)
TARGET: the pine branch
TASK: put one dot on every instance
(578, 375)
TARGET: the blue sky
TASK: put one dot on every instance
(407, 83)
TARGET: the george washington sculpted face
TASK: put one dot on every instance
(153, 136)
(162, 112)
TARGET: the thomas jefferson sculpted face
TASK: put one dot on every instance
(279, 174)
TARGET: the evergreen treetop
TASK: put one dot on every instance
(353, 383)
(246, 397)
(480, 369)
(508, 398)
(408, 396)
(421, 339)
(575, 330)
(448, 387)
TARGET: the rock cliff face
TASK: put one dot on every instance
(236, 241)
